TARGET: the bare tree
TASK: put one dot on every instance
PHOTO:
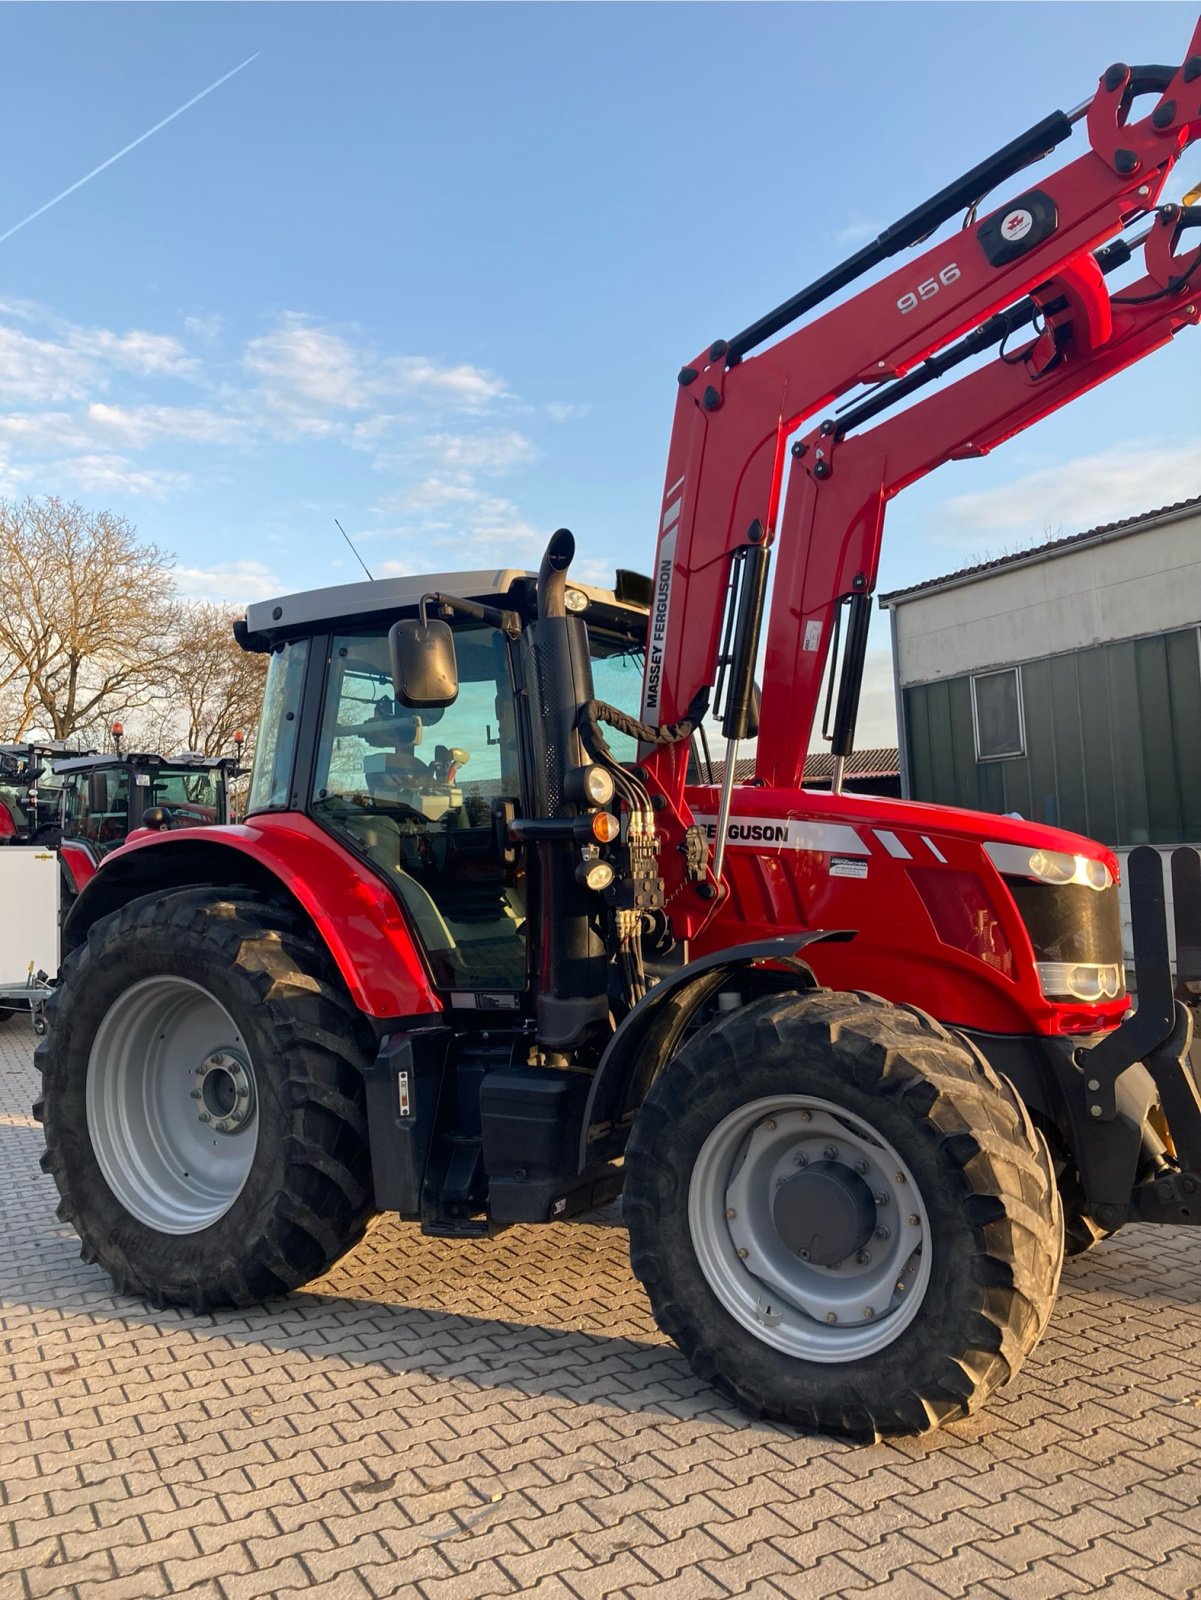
(213, 686)
(87, 612)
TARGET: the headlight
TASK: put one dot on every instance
(593, 785)
(1048, 866)
(1079, 980)
(598, 875)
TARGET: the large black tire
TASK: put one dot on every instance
(982, 1173)
(306, 1195)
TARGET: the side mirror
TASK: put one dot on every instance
(425, 674)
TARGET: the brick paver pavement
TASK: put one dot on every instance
(455, 1421)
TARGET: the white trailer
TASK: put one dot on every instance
(29, 915)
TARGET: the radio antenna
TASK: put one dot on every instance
(357, 556)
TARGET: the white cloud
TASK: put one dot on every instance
(1078, 494)
(140, 425)
(307, 375)
(463, 455)
(41, 372)
(147, 354)
(113, 474)
(566, 411)
(231, 583)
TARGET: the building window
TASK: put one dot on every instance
(997, 715)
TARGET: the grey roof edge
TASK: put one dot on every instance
(1046, 552)
(308, 607)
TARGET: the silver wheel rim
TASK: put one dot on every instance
(833, 1313)
(171, 1105)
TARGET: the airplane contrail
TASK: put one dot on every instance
(133, 144)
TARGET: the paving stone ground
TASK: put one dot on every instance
(455, 1421)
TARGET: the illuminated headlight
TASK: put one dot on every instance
(575, 600)
(1078, 980)
(599, 875)
(1048, 866)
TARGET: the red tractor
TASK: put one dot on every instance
(489, 949)
(105, 798)
(29, 793)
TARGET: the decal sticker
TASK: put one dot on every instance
(789, 833)
(142, 779)
(813, 636)
(892, 844)
(847, 867)
(660, 611)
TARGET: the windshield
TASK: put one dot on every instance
(617, 679)
(189, 797)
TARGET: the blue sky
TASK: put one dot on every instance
(432, 270)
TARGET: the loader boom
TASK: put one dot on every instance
(736, 411)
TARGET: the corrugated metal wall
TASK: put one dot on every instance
(1113, 742)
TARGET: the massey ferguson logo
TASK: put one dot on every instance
(661, 606)
(1017, 224)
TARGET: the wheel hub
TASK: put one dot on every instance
(224, 1092)
(825, 1213)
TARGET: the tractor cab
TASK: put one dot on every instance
(425, 796)
(29, 792)
(105, 798)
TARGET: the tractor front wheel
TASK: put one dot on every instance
(202, 1101)
(842, 1216)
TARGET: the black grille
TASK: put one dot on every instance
(1070, 921)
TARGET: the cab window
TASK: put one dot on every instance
(414, 792)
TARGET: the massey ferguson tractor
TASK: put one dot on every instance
(29, 793)
(491, 948)
(106, 797)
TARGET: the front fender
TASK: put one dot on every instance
(650, 1032)
(352, 911)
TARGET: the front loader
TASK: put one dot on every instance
(492, 946)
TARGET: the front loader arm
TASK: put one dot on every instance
(839, 487)
(735, 411)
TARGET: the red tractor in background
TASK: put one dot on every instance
(489, 949)
(29, 792)
(104, 798)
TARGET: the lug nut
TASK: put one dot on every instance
(806, 1116)
(880, 1198)
(742, 1252)
(868, 1313)
(204, 1117)
(900, 1286)
(863, 1257)
(195, 1094)
(915, 1221)
(861, 1168)
(831, 1316)
(800, 1161)
(899, 1178)
(831, 1152)
(770, 1125)
(883, 1233)
(730, 1213)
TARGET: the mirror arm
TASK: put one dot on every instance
(508, 622)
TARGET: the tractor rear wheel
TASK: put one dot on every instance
(202, 1101)
(842, 1216)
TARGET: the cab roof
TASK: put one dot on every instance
(186, 760)
(314, 610)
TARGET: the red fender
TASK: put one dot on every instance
(79, 862)
(359, 920)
